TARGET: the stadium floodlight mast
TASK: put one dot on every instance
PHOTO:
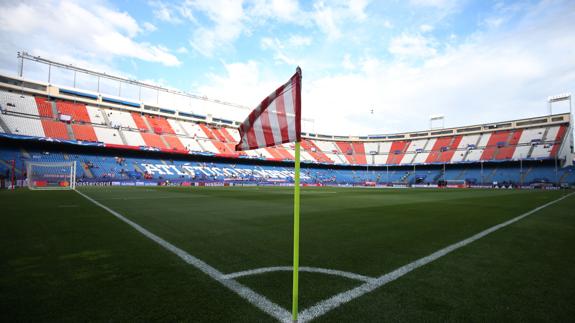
(23, 56)
(436, 118)
(559, 98)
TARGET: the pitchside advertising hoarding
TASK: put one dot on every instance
(192, 171)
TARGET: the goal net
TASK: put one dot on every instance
(51, 176)
(455, 183)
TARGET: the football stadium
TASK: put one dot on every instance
(119, 206)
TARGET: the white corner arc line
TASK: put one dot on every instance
(326, 271)
(251, 296)
(335, 301)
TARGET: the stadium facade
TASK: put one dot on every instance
(119, 141)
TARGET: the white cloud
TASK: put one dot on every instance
(433, 3)
(299, 41)
(182, 50)
(494, 22)
(164, 11)
(412, 46)
(425, 28)
(149, 27)
(227, 19)
(347, 63)
(326, 19)
(281, 10)
(357, 8)
(493, 76)
(62, 28)
(279, 49)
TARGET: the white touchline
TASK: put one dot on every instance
(254, 298)
(333, 302)
(326, 305)
(326, 271)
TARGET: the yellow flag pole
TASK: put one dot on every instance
(296, 234)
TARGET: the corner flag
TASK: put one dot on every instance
(275, 121)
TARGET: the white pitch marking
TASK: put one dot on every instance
(301, 269)
(335, 301)
(254, 298)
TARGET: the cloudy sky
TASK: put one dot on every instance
(369, 67)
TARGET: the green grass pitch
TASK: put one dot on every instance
(64, 259)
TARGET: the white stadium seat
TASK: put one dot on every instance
(379, 159)
(420, 158)
(19, 103)
(134, 138)
(326, 146)
(109, 136)
(23, 126)
(384, 148)
(474, 154)
(415, 145)
(541, 151)
(407, 158)
(208, 146)
(95, 115)
(521, 151)
(484, 140)
(529, 135)
(552, 133)
(193, 129)
(468, 140)
(121, 119)
(371, 147)
(175, 124)
(191, 144)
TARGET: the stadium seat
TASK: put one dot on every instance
(84, 132)
(139, 121)
(134, 138)
(18, 103)
(77, 111)
(95, 115)
(25, 126)
(108, 135)
(55, 129)
(159, 124)
(44, 107)
(153, 140)
(175, 143)
(120, 119)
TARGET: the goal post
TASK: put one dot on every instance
(455, 183)
(51, 176)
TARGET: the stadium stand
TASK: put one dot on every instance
(44, 107)
(77, 111)
(95, 121)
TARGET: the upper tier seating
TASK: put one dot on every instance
(24, 126)
(133, 138)
(120, 119)
(177, 127)
(193, 129)
(33, 116)
(159, 124)
(95, 115)
(18, 103)
(77, 111)
(140, 122)
(84, 132)
(107, 135)
(55, 129)
(44, 107)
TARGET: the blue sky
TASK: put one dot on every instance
(472, 61)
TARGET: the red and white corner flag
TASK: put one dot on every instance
(276, 120)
